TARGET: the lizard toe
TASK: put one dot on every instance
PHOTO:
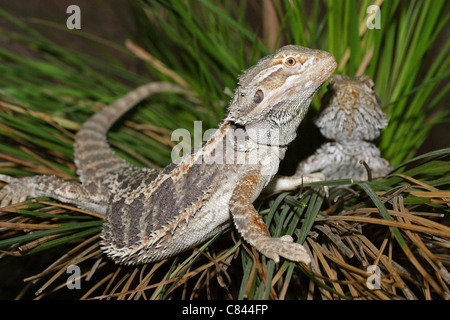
(285, 247)
(16, 191)
(5, 197)
(286, 238)
(294, 252)
(8, 179)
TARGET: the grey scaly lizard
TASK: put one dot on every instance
(351, 116)
(155, 214)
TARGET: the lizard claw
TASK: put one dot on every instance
(285, 247)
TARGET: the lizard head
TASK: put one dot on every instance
(273, 96)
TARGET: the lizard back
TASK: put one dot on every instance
(154, 214)
(148, 207)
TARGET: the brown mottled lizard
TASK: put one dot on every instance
(351, 116)
(154, 214)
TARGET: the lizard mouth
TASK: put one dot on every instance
(326, 69)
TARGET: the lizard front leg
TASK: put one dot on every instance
(21, 189)
(253, 229)
(290, 183)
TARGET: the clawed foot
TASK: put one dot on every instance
(17, 190)
(286, 247)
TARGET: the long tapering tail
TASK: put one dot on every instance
(93, 155)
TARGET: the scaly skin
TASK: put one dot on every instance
(351, 116)
(155, 214)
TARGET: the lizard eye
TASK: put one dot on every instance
(259, 96)
(290, 62)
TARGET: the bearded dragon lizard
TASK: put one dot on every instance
(155, 214)
(351, 116)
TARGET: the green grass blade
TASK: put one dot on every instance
(383, 211)
(65, 240)
(312, 211)
(36, 235)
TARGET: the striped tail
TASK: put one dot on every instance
(93, 156)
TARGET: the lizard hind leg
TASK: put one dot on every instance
(19, 189)
(253, 229)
